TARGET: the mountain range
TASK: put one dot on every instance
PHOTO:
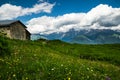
(91, 36)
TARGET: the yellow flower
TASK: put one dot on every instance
(69, 78)
(14, 75)
(91, 70)
(17, 59)
(26, 78)
(61, 64)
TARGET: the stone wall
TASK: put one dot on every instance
(15, 30)
(5, 31)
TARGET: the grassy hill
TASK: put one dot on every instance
(56, 60)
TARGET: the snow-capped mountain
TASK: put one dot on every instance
(91, 36)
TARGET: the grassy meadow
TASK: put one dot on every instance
(56, 60)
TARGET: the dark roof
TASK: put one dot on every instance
(7, 22)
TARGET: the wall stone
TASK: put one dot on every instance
(5, 31)
(15, 30)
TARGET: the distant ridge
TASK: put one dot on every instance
(93, 36)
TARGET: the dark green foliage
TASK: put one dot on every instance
(4, 47)
(41, 39)
(104, 52)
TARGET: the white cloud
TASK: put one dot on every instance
(102, 14)
(9, 11)
(54, 24)
(100, 17)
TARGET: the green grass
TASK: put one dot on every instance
(56, 60)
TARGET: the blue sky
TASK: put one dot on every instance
(29, 10)
(61, 6)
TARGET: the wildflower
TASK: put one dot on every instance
(17, 59)
(88, 69)
(9, 67)
(2, 60)
(35, 55)
(52, 69)
(69, 78)
(88, 77)
(26, 78)
(66, 68)
(91, 70)
(61, 65)
(70, 72)
(14, 75)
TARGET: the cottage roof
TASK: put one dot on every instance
(7, 22)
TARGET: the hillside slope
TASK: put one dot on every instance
(56, 60)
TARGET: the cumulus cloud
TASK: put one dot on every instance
(100, 17)
(47, 24)
(9, 11)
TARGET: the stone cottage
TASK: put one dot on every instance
(14, 29)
